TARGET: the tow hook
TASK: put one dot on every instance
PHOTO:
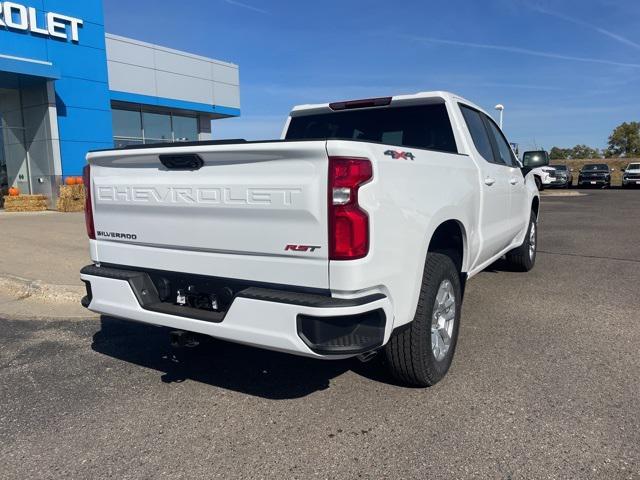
(180, 338)
(367, 356)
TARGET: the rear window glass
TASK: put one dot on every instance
(419, 126)
(478, 133)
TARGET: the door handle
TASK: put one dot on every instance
(513, 181)
(489, 181)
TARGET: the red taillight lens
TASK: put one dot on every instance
(348, 223)
(88, 211)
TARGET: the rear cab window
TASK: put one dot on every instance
(489, 141)
(416, 126)
(478, 132)
(505, 153)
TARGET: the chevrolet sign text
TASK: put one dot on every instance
(15, 16)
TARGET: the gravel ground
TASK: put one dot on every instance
(545, 384)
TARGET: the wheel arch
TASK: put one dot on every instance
(451, 236)
(535, 205)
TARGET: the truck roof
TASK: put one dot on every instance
(436, 96)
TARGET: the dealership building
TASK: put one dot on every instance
(67, 87)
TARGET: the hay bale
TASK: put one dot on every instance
(71, 198)
(26, 203)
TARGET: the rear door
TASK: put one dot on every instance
(495, 176)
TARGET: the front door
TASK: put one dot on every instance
(519, 208)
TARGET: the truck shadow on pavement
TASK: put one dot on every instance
(218, 363)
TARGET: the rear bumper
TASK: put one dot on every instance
(298, 323)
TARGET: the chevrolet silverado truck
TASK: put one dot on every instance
(595, 175)
(563, 176)
(631, 175)
(354, 233)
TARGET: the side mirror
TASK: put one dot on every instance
(535, 159)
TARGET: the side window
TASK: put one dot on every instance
(478, 132)
(504, 149)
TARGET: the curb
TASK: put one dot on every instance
(562, 194)
(24, 288)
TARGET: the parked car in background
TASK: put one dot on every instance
(538, 162)
(631, 175)
(564, 176)
(595, 174)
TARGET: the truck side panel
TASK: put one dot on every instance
(406, 201)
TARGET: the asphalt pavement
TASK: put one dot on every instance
(545, 384)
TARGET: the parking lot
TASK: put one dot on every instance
(545, 384)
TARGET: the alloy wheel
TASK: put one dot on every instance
(442, 320)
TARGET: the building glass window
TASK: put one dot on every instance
(157, 127)
(135, 127)
(127, 124)
(185, 129)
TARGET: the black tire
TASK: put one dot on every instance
(409, 353)
(520, 258)
(538, 183)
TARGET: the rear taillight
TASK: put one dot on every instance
(88, 211)
(348, 223)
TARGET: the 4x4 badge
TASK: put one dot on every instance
(400, 155)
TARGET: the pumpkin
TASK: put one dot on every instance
(14, 191)
(79, 181)
(70, 181)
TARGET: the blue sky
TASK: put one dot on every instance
(567, 71)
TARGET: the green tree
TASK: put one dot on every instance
(624, 141)
(557, 153)
(583, 151)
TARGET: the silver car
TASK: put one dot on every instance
(564, 176)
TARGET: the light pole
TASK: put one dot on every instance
(499, 107)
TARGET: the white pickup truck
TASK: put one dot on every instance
(354, 233)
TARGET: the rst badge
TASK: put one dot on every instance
(301, 248)
(400, 155)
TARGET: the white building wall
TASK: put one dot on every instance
(146, 69)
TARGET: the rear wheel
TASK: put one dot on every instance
(421, 352)
(523, 258)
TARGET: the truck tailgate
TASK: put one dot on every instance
(233, 217)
